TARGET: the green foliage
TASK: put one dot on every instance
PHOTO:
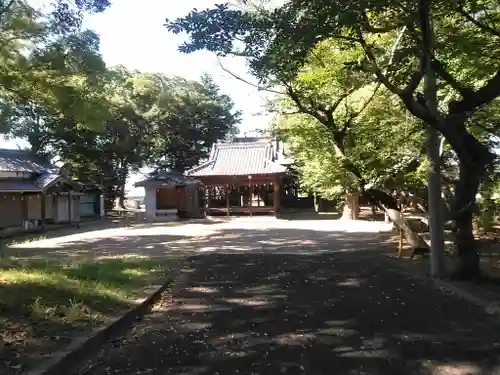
(345, 131)
(153, 119)
(370, 42)
(49, 64)
(57, 93)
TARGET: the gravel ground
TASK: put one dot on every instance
(272, 297)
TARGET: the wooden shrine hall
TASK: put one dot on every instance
(243, 177)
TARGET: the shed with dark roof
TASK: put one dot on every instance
(34, 192)
(170, 195)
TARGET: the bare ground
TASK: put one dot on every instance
(304, 298)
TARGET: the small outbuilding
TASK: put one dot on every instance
(170, 195)
(34, 193)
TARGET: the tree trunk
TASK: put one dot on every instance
(121, 196)
(351, 206)
(109, 192)
(465, 201)
(122, 180)
(391, 209)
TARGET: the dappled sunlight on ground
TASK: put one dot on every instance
(317, 314)
(267, 296)
(239, 235)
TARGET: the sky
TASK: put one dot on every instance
(133, 34)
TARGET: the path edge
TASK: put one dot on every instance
(80, 349)
(491, 308)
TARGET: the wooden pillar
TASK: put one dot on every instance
(207, 198)
(24, 206)
(43, 213)
(250, 199)
(226, 194)
(277, 196)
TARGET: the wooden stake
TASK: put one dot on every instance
(400, 248)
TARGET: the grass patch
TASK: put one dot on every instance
(27, 239)
(44, 303)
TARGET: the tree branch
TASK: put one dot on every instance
(296, 99)
(382, 78)
(7, 7)
(440, 69)
(480, 25)
(377, 30)
(352, 116)
(339, 100)
(478, 98)
(234, 75)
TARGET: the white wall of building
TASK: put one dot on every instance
(150, 201)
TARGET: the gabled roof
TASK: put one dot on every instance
(45, 174)
(256, 157)
(164, 178)
(22, 161)
(46, 179)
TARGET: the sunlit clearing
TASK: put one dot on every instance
(133, 272)
(454, 369)
(259, 289)
(131, 256)
(247, 301)
(295, 338)
(287, 241)
(350, 282)
(194, 326)
(200, 289)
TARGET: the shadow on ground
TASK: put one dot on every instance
(157, 241)
(304, 302)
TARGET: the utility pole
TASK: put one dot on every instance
(436, 209)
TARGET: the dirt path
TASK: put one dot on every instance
(288, 299)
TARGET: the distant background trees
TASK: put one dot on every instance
(101, 122)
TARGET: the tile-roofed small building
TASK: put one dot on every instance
(34, 192)
(244, 176)
(168, 195)
(242, 158)
(23, 161)
(162, 178)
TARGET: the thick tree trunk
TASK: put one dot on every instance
(109, 192)
(474, 159)
(122, 180)
(121, 196)
(465, 202)
(351, 206)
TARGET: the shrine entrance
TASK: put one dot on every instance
(255, 195)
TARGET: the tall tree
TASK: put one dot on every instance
(43, 51)
(161, 121)
(189, 118)
(278, 42)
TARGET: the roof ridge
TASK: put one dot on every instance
(243, 144)
(16, 150)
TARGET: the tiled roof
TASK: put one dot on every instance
(22, 161)
(18, 185)
(240, 159)
(46, 179)
(44, 174)
(165, 178)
